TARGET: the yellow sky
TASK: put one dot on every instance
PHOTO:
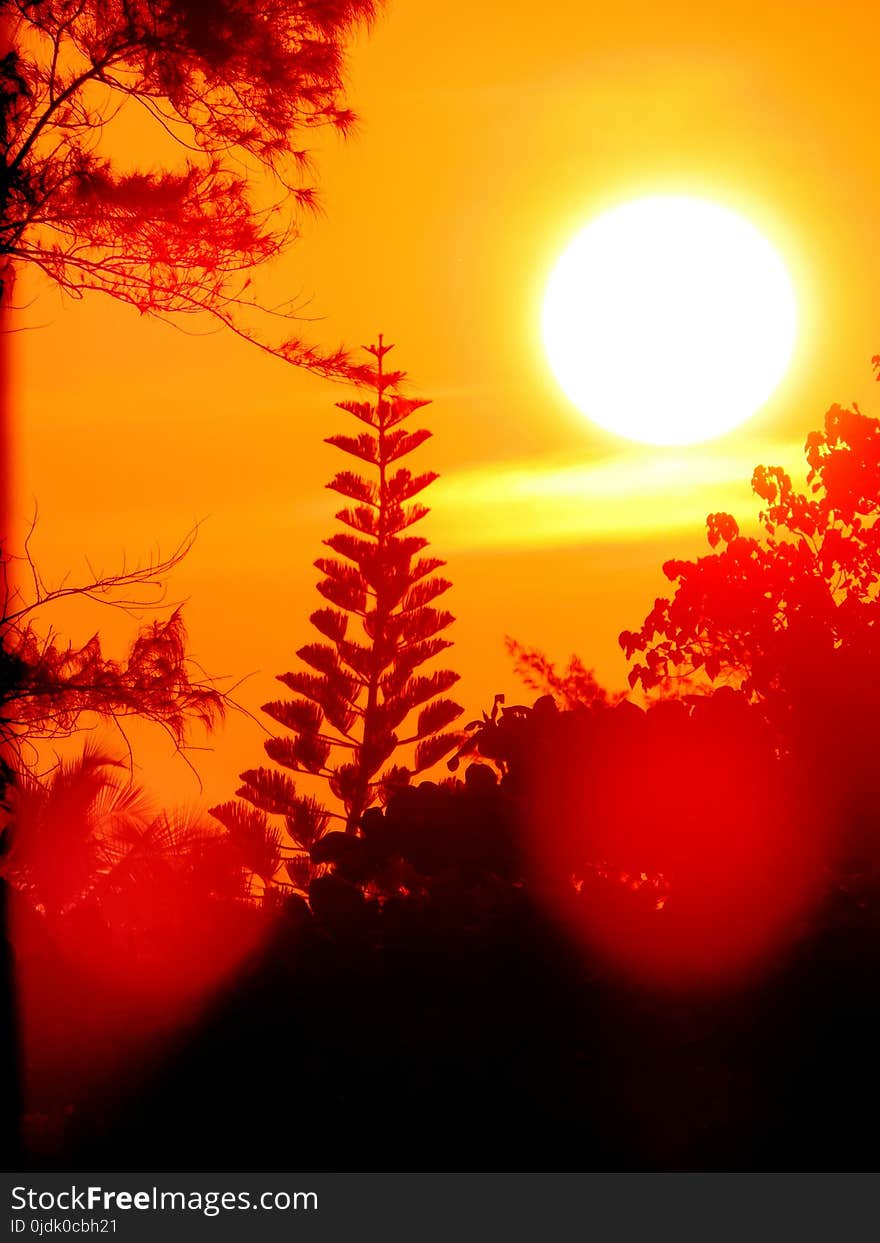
(490, 133)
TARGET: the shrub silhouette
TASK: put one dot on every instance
(430, 839)
(351, 722)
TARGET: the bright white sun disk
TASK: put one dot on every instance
(669, 320)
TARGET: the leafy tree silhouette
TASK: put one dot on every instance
(781, 615)
(233, 83)
(792, 619)
(358, 690)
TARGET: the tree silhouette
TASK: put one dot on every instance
(358, 689)
(232, 84)
(794, 609)
(48, 690)
(87, 836)
(48, 686)
(792, 618)
(140, 911)
(53, 846)
(572, 687)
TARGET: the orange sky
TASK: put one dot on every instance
(486, 141)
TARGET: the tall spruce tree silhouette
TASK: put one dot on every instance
(348, 725)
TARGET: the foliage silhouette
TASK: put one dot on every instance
(791, 618)
(450, 837)
(473, 935)
(575, 686)
(776, 615)
(625, 939)
(677, 840)
(48, 691)
(47, 687)
(141, 912)
(686, 882)
(232, 85)
(357, 692)
(450, 939)
(88, 836)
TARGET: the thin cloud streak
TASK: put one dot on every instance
(646, 492)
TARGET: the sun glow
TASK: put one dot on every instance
(669, 320)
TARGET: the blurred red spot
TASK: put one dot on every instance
(692, 851)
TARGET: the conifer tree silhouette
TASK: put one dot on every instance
(351, 721)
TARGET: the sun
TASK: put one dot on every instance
(669, 320)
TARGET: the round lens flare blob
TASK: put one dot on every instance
(672, 844)
(669, 320)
